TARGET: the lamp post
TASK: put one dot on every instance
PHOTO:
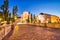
(15, 18)
(0, 19)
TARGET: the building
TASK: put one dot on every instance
(59, 20)
(47, 18)
(44, 18)
(24, 17)
(41, 18)
(54, 19)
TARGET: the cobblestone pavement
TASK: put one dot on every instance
(29, 32)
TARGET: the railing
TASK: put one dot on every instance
(4, 30)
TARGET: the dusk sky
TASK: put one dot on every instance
(35, 6)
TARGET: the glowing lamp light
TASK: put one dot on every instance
(15, 17)
(0, 19)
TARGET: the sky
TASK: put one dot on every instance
(35, 6)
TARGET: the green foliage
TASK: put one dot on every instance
(14, 12)
(31, 18)
(28, 20)
(4, 7)
(34, 18)
(5, 15)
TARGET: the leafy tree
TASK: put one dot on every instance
(28, 20)
(31, 18)
(5, 12)
(14, 12)
(34, 18)
(9, 17)
(6, 3)
(4, 8)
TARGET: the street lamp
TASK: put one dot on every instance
(15, 18)
(0, 19)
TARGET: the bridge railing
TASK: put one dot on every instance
(4, 30)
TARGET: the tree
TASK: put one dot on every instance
(5, 11)
(4, 7)
(34, 18)
(9, 17)
(31, 18)
(28, 19)
(14, 12)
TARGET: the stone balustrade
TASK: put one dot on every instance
(4, 30)
(1, 33)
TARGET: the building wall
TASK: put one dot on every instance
(48, 18)
(41, 18)
(45, 18)
(59, 20)
(54, 19)
(24, 16)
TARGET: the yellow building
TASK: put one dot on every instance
(54, 19)
(59, 19)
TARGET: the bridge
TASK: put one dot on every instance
(32, 32)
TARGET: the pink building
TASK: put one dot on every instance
(24, 16)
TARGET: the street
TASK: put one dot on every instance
(31, 32)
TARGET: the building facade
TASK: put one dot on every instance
(24, 17)
(54, 19)
(41, 18)
(44, 18)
